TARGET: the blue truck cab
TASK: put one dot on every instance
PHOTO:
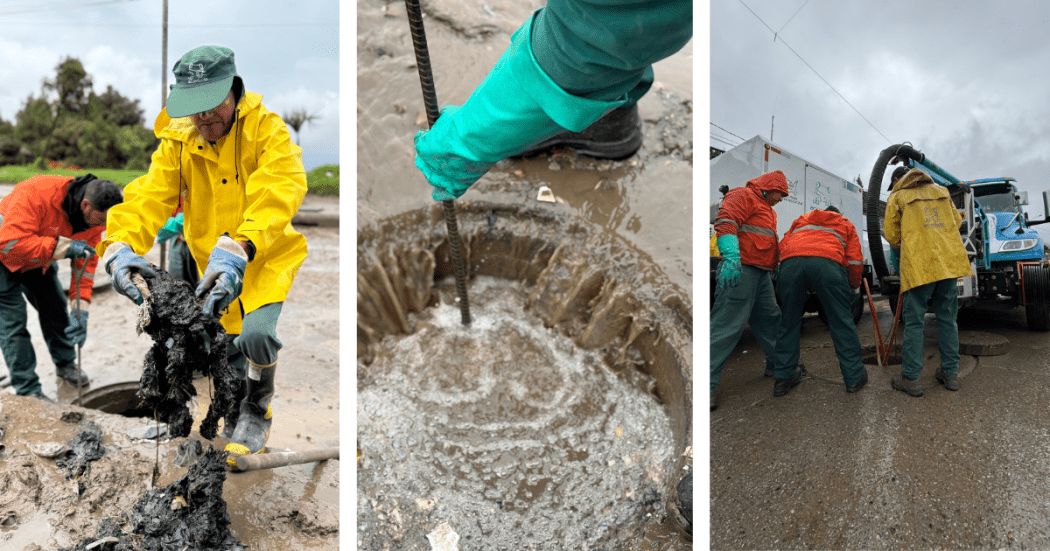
(999, 212)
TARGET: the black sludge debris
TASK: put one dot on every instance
(187, 514)
(84, 448)
(184, 340)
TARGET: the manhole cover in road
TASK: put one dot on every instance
(561, 413)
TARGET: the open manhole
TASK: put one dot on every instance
(872, 357)
(560, 416)
(119, 398)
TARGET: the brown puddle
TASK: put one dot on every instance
(561, 415)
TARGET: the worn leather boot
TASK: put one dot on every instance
(617, 135)
(950, 382)
(253, 421)
(909, 386)
(782, 386)
(68, 373)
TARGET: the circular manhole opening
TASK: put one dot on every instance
(560, 414)
(872, 357)
(119, 398)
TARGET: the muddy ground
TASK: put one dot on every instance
(822, 469)
(645, 200)
(292, 507)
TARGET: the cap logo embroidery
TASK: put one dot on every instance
(197, 73)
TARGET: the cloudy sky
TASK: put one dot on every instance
(965, 83)
(286, 51)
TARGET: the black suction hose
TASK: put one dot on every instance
(878, 259)
(426, 80)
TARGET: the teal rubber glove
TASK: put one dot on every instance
(895, 259)
(171, 228)
(121, 265)
(514, 108)
(79, 249)
(76, 331)
(224, 278)
(729, 270)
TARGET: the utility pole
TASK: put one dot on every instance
(163, 104)
(771, 119)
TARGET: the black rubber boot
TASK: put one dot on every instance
(253, 421)
(68, 373)
(615, 136)
(681, 506)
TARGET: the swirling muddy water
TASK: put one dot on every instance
(557, 419)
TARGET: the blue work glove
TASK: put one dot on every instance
(224, 278)
(729, 271)
(515, 107)
(76, 331)
(895, 259)
(171, 228)
(79, 249)
(121, 265)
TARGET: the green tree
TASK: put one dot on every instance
(72, 87)
(297, 118)
(111, 106)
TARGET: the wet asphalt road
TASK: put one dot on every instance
(823, 469)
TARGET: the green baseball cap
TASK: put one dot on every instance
(203, 77)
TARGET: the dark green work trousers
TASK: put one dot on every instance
(751, 301)
(258, 339)
(828, 279)
(946, 308)
(43, 291)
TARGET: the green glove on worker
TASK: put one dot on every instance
(895, 259)
(729, 269)
(516, 106)
(171, 228)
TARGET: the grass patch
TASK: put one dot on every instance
(318, 182)
(323, 180)
(13, 174)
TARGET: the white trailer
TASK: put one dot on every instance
(809, 188)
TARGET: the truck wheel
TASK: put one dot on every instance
(1037, 290)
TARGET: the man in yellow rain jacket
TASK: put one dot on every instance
(922, 223)
(242, 180)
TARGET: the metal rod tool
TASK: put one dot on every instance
(426, 80)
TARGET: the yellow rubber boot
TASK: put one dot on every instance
(253, 423)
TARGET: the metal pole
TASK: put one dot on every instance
(426, 80)
(163, 104)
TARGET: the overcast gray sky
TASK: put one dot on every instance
(286, 51)
(964, 82)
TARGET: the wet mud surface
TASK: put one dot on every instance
(186, 514)
(561, 414)
(822, 469)
(295, 507)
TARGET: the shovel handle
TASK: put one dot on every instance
(282, 459)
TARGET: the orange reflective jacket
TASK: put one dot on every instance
(31, 221)
(826, 235)
(747, 215)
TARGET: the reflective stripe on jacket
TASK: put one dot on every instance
(249, 184)
(923, 223)
(31, 221)
(747, 215)
(827, 235)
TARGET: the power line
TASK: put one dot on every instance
(726, 131)
(790, 18)
(170, 26)
(784, 42)
(719, 139)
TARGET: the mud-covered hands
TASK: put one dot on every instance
(224, 277)
(121, 261)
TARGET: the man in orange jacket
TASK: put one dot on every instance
(747, 238)
(45, 219)
(821, 253)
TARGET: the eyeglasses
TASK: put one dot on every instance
(213, 110)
